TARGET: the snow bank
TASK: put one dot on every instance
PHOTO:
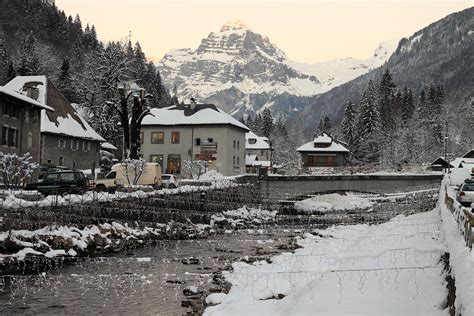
(212, 175)
(242, 217)
(457, 176)
(461, 257)
(388, 269)
(333, 202)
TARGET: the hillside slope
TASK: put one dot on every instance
(440, 53)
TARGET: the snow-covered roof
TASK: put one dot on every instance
(24, 98)
(203, 114)
(64, 120)
(108, 146)
(260, 141)
(333, 145)
(456, 163)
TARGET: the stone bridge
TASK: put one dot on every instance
(291, 187)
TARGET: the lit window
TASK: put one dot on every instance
(175, 138)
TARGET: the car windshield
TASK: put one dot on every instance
(111, 175)
(468, 187)
(165, 177)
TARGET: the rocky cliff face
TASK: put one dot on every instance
(242, 72)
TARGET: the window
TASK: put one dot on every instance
(27, 117)
(61, 143)
(157, 138)
(12, 135)
(238, 160)
(238, 144)
(88, 146)
(198, 142)
(174, 137)
(50, 161)
(74, 144)
(51, 178)
(5, 109)
(84, 145)
(12, 111)
(210, 140)
(66, 177)
(73, 165)
(174, 164)
(111, 175)
(141, 137)
(234, 144)
(30, 140)
(157, 159)
(233, 160)
(4, 135)
(61, 160)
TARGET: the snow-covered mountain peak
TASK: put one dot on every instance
(242, 72)
(235, 25)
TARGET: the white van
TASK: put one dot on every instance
(117, 177)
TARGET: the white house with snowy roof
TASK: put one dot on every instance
(258, 152)
(324, 151)
(66, 138)
(191, 132)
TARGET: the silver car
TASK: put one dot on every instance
(466, 193)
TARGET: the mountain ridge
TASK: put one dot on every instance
(243, 72)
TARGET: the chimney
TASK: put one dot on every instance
(193, 104)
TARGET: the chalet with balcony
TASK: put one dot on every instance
(188, 132)
(324, 151)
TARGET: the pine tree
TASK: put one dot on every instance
(66, 83)
(348, 125)
(29, 59)
(369, 127)
(267, 122)
(11, 72)
(4, 59)
(386, 91)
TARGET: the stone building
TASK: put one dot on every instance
(66, 138)
(20, 122)
(323, 151)
(194, 132)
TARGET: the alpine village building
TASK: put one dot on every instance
(324, 151)
(258, 152)
(61, 137)
(179, 133)
(20, 122)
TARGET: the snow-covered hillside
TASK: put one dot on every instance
(242, 71)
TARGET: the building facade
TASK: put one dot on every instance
(258, 152)
(182, 133)
(20, 123)
(65, 138)
(323, 151)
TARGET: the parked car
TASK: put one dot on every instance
(61, 182)
(466, 193)
(169, 181)
(117, 177)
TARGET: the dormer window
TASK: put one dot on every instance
(252, 141)
(322, 145)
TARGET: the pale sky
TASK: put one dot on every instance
(306, 30)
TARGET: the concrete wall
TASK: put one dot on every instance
(223, 135)
(27, 124)
(289, 187)
(80, 158)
